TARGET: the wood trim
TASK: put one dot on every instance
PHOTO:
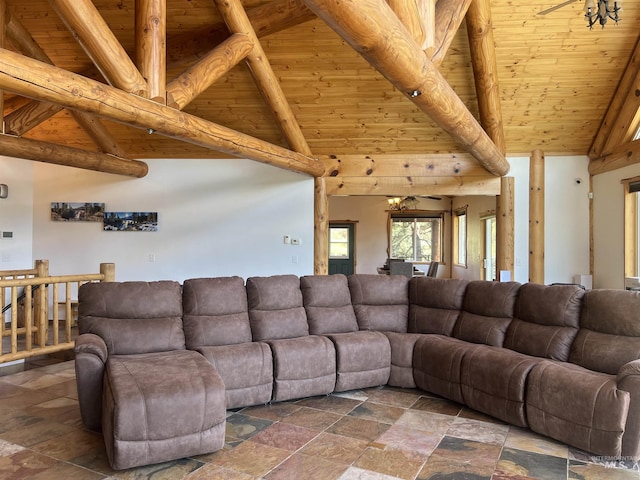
(371, 28)
(630, 233)
(31, 78)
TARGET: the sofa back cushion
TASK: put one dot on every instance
(381, 302)
(133, 317)
(327, 302)
(275, 307)
(546, 320)
(487, 310)
(435, 304)
(609, 334)
(215, 312)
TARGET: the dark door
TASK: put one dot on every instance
(342, 257)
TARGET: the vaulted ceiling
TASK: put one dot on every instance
(556, 81)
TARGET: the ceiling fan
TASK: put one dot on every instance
(560, 5)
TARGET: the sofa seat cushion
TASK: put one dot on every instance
(381, 302)
(215, 312)
(246, 370)
(493, 381)
(363, 359)
(437, 362)
(577, 406)
(303, 367)
(161, 406)
(402, 344)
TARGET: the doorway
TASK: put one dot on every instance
(342, 258)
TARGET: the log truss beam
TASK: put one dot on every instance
(237, 20)
(31, 78)
(621, 120)
(374, 31)
(151, 36)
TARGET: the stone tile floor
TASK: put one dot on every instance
(374, 434)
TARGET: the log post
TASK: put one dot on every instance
(151, 50)
(200, 76)
(40, 317)
(321, 228)
(83, 19)
(35, 79)
(536, 217)
(373, 30)
(236, 19)
(505, 226)
(109, 272)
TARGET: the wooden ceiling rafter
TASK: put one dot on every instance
(613, 143)
(449, 16)
(418, 17)
(151, 48)
(237, 21)
(374, 31)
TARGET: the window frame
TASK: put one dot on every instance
(459, 237)
(419, 214)
(631, 227)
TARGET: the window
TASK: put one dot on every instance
(632, 227)
(339, 242)
(460, 236)
(416, 236)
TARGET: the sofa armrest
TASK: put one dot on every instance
(92, 344)
(91, 356)
(628, 379)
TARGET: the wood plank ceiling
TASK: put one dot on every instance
(556, 80)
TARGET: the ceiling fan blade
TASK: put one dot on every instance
(560, 5)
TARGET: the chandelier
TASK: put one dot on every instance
(406, 203)
(606, 9)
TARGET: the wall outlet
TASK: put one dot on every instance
(296, 241)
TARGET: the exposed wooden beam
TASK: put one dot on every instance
(23, 119)
(266, 19)
(236, 19)
(3, 38)
(418, 16)
(623, 115)
(488, 185)
(151, 50)
(182, 90)
(87, 25)
(403, 165)
(623, 156)
(73, 157)
(35, 114)
(449, 16)
(485, 70)
(31, 78)
(372, 29)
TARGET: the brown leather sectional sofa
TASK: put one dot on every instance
(158, 363)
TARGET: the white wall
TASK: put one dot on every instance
(608, 227)
(216, 218)
(16, 214)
